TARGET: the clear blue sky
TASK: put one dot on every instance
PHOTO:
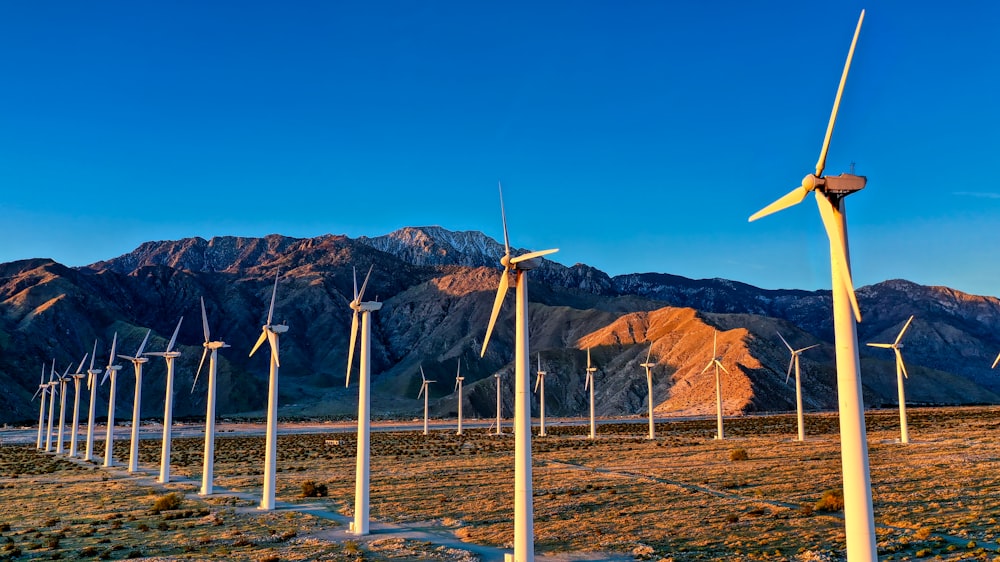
(635, 136)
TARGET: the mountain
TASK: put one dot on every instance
(438, 287)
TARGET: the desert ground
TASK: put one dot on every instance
(757, 495)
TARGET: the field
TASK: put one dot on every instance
(685, 496)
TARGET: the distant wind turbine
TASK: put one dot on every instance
(168, 355)
(92, 387)
(137, 362)
(53, 390)
(426, 393)
(271, 332)
(540, 389)
(649, 388)
(794, 362)
(717, 363)
(362, 476)
(75, 424)
(208, 466)
(588, 381)
(458, 388)
(63, 380)
(524, 536)
(896, 346)
(111, 371)
(43, 389)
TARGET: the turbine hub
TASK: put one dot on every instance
(811, 182)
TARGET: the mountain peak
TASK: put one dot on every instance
(436, 246)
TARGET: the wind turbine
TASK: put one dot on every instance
(137, 362)
(649, 387)
(208, 467)
(499, 404)
(43, 388)
(798, 382)
(716, 361)
(524, 536)
(53, 390)
(540, 386)
(859, 517)
(589, 382)
(426, 393)
(63, 380)
(904, 435)
(111, 371)
(362, 475)
(458, 388)
(168, 404)
(91, 376)
(77, 376)
(271, 332)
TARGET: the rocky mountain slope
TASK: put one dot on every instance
(437, 287)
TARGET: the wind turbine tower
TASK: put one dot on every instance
(63, 381)
(426, 393)
(75, 425)
(363, 467)
(137, 361)
(540, 389)
(458, 388)
(716, 361)
(499, 404)
(53, 390)
(43, 390)
(589, 382)
(830, 191)
(794, 362)
(896, 346)
(208, 468)
(271, 332)
(524, 535)
(648, 365)
(111, 371)
(169, 355)
(92, 387)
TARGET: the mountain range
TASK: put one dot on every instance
(437, 287)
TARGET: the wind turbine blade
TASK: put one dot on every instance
(355, 269)
(198, 372)
(839, 245)
(588, 359)
(260, 340)
(79, 368)
(719, 363)
(497, 302)
(882, 345)
(459, 372)
(903, 331)
(361, 294)
(532, 255)
(114, 346)
(821, 163)
(784, 341)
(272, 339)
(648, 353)
(66, 372)
(204, 321)
(538, 379)
(902, 365)
(995, 361)
(792, 198)
(36, 394)
(799, 351)
(350, 352)
(709, 366)
(586, 382)
(274, 293)
(42, 380)
(423, 387)
(93, 356)
(503, 215)
(422, 377)
(173, 338)
(143, 344)
(105, 377)
(791, 363)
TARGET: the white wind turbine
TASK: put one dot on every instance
(524, 536)
(63, 381)
(540, 388)
(208, 466)
(904, 435)
(111, 371)
(426, 393)
(169, 355)
(589, 382)
(75, 425)
(43, 388)
(92, 387)
(798, 382)
(859, 517)
(271, 332)
(137, 362)
(499, 422)
(363, 467)
(717, 363)
(458, 388)
(648, 365)
(53, 385)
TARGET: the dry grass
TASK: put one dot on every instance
(679, 497)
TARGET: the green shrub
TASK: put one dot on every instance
(168, 501)
(832, 500)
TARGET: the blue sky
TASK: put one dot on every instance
(635, 137)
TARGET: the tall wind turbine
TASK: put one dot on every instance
(92, 387)
(540, 388)
(716, 361)
(589, 382)
(524, 536)
(63, 380)
(111, 371)
(363, 466)
(43, 388)
(53, 390)
(271, 332)
(648, 365)
(208, 467)
(137, 362)
(798, 382)
(458, 388)
(168, 403)
(499, 422)
(859, 517)
(75, 425)
(426, 393)
(904, 435)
